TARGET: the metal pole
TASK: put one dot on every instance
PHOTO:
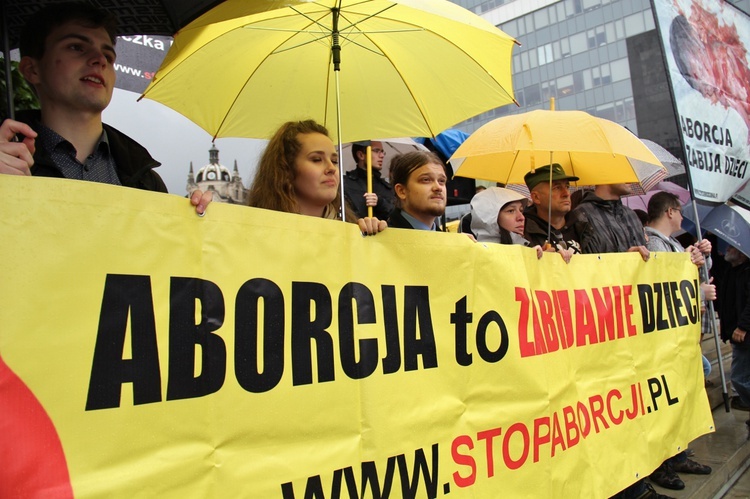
(336, 54)
(6, 57)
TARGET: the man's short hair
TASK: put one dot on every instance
(43, 22)
(358, 147)
(660, 203)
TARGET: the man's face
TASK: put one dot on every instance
(424, 195)
(378, 155)
(560, 198)
(621, 189)
(734, 257)
(76, 72)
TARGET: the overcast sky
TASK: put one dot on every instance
(175, 141)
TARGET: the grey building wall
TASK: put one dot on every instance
(579, 52)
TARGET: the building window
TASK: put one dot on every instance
(606, 111)
(634, 24)
(541, 19)
(578, 43)
(565, 47)
(591, 5)
(620, 69)
(545, 55)
(549, 91)
(532, 94)
(565, 86)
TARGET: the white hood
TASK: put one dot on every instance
(484, 209)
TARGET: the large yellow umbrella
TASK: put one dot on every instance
(407, 67)
(596, 150)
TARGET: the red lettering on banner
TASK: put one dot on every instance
(585, 324)
(540, 438)
(596, 403)
(601, 315)
(489, 435)
(571, 427)
(614, 394)
(510, 463)
(527, 347)
(464, 460)
(557, 434)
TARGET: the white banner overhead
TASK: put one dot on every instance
(706, 47)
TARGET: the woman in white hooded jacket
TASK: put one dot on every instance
(497, 217)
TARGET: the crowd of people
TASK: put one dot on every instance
(67, 55)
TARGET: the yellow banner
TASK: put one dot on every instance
(147, 351)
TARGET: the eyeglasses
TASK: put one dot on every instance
(678, 210)
(378, 151)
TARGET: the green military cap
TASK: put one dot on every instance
(533, 178)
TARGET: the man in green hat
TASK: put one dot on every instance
(550, 203)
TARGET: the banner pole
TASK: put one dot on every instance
(704, 277)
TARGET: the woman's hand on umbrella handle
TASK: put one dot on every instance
(371, 225)
(371, 199)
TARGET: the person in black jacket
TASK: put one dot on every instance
(68, 55)
(734, 318)
(381, 199)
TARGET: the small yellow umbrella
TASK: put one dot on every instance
(407, 67)
(596, 150)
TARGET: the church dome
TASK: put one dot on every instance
(213, 171)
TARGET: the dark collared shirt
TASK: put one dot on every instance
(98, 167)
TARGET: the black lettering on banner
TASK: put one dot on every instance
(125, 296)
(646, 299)
(661, 322)
(482, 348)
(185, 335)
(461, 317)
(667, 290)
(354, 292)
(370, 476)
(417, 307)
(409, 488)
(392, 359)
(247, 333)
(311, 299)
(678, 304)
(688, 291)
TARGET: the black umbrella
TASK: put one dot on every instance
(152, 17)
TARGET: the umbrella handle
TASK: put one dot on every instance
(369, 177)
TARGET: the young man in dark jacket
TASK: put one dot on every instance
(68, 55)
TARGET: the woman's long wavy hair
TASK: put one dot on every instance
(273, 186)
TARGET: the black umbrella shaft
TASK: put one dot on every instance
(335, 47)
(6, 57)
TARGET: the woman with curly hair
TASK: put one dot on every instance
(299, 173)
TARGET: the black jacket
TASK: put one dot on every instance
(397, 220)
(355, 186)
(734, 301)
(535, 231)
(134, 163)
